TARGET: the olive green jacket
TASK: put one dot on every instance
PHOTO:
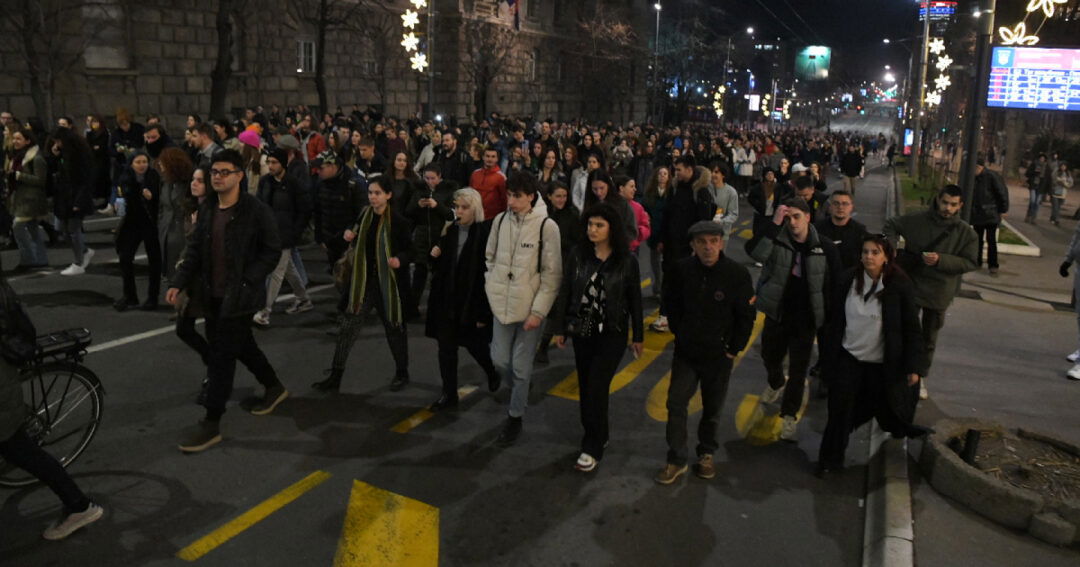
(936, 286)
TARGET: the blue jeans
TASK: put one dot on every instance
(512, 352)
(298, 263)
(31, 240)
(1055, 207)
(1033, 203)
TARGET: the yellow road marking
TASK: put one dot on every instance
(383, 528)
(414, 420)
(646, 283)
(209, 542)
(746, 233)
(745, 222)
(758, 428)
(656, 405)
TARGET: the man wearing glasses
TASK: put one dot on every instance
(232, 249)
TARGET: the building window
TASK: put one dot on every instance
(369, 68)
(305, 56)
(560, 69)
(532, 64)
(109, 48)
(236, 45)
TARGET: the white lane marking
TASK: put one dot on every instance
(164, 330)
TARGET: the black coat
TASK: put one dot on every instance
(290, 204)
(991, 199)
(848, 239)
(685, 207)
(709, 309)
(141, 212)
(905, 349)
(457, 301)
(569, 220)
(338, 202)
(427, 222)
(622, 288)
(71, 187)
(252, 251)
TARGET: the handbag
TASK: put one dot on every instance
(343, 269)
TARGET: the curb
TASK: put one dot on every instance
(888, 532)
(1031, 249)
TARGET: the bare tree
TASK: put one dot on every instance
(488, 48)
(377, 29)
(50, 40)
(328, 16)
(608, 50)
(228, 14)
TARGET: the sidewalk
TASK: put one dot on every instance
(1000, 357)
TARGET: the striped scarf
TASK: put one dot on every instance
(387, 279)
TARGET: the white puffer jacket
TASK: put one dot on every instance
(515, 289)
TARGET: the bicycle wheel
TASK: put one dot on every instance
(65, 401)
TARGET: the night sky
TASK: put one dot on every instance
(853, 28)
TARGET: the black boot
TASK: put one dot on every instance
(510, 432)
(444, 402)
(332, 382)
(399, 382)
(494, 380)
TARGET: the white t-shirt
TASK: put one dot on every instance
(863, 336)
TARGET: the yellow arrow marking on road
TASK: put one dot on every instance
(758, 428)
(655, 343)
(746, 233)
(656, 405)
(382, 529)
(425, 414)
(211, 541)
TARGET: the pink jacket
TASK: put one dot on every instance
(643, 227)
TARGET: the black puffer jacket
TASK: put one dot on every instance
(252, 251)
(622, 288)
(428, 222)
(338, 202)
(290, 204)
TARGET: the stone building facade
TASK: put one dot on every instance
(156, 56)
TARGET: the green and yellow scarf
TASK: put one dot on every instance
(386, 276)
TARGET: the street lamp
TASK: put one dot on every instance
(890, 78)
(750, 30)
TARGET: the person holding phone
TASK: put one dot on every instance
(600, 297)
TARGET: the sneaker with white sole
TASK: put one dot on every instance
(770, 395)
(585, 463)
(73, 270)
(1074, 357)
(789, 431)
(300, 306)
(660, 325)
(73, 522)
(1074, 373)
(262, 318)
(86, 257)
(923, 393)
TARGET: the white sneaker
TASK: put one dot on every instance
(585, 463)
(660, 325)
(789, 430)
(300, 306)
(72, 522)
(86, 257)
(1074, 357)
(1074, 372)
(107, 210)
(262, 318)
(923, 394)
(73, 270)
(770, 395)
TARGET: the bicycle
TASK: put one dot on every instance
(64, 398)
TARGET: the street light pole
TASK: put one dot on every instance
(973, 126)
(431, 58)
(657, 92)
(920, 93)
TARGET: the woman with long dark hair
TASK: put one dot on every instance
(603, 188)
(458, 310)
(402, 179)
(175, 203)
(98, 140)
(874, 352)
(657, 192)
(72, 170)
(225, 134)
(568, 217)
(140, 187)
(599, 303)
(550, 171)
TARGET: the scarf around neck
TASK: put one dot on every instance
(386, 278)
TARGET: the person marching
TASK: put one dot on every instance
(458, 310)
(380, 248)
(599, 301)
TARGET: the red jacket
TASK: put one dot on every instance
(316, 144)
(644, 228)
(491, 184)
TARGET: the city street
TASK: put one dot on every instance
(285, 486)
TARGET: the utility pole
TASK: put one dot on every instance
(920, 94)
(431, 58)
(973, 120)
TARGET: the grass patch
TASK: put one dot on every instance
(1006, 236)
(915, 196)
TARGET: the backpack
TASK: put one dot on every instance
(540, 252)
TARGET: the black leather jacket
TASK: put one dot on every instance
(622, 287)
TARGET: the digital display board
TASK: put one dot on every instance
(1038, 78)
(939, 10)
(812, 63)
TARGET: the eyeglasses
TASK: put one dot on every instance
(223, 172)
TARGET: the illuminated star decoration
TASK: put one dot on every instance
(1017, 35)
(410, 42)
(1047, 6)
(943, 63)
(419, 4)
(410, 19)
(419, 62)
(933, 99)
(942, 82)
(937, 45)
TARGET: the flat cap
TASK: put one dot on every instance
(706, 227)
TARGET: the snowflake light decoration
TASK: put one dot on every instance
(419, 62)
(937, 45)
(1047, 6)
(942, 82)
(410, 19)
(1017, 36)
(420, 4)
(410, 42)
(933, 99)
(943, 62)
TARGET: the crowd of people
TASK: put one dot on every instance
(531, 233)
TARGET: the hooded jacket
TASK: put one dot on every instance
(777, 251)
(935, 286)
(520, 280)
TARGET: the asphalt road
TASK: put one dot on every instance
(519, 506)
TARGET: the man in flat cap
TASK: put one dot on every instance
(708, 299)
